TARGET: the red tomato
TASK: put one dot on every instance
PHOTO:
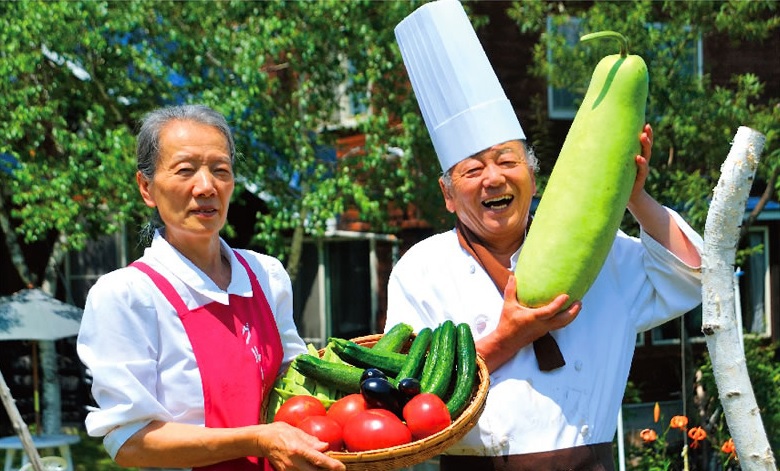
(379, 410)
(346, 407)
(298, 408)
(324, 428)
(373, 430)
(426, 414)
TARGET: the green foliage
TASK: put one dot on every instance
(694, 122)
(79, 75)
(280, 71)
(764, 371)
(68, 135)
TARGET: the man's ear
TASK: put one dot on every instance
(143, 188)
(448, 201)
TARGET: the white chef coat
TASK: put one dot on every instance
(135, 346)
(640, 286)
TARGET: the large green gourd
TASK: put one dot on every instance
(583, 204)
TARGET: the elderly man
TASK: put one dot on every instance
(557, 375)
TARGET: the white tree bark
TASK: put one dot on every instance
(51, 391)
(719, 324)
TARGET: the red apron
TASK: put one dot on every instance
(238, 351)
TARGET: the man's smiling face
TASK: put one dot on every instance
(491, 192)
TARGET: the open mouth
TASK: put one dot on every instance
(500, 202)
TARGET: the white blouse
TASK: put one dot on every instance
(140, 358)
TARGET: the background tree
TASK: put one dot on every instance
(79, 75)
(693, 120)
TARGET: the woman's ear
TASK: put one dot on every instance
(143, 188)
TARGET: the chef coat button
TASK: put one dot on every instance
(472, 269)
(585, 431)
(480, 323)
(578, 365)
(504, 440)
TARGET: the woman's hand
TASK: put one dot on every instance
(519, 325)
(288, 448)
(173, 445)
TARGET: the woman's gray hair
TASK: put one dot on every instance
(148, 143)
(530, 159)
(148, 140)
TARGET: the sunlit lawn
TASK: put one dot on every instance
(89, 455)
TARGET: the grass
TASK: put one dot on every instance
(89, 454)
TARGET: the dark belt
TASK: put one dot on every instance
(580, 458)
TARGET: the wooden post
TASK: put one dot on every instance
(721, 330)
(19, 426)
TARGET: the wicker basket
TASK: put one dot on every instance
(418, 451)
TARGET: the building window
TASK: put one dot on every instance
(751, 297)
(337, 290)
(563, 103)
(353, 100)
(754, 289)
(83, 268)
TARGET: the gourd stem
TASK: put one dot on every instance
(609, 34)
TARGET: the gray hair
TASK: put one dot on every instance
(148, 143)
(148, 140)
(530, 159)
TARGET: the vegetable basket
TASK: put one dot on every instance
(402, 456)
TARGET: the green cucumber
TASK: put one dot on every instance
(388, 362)
(341, 376)
(585, 198)
(430, 359)
(415, 358)
(439, 382)
(394, 339)
(466, 370)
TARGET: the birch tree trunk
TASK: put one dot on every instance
(51, 394)
(719, 324)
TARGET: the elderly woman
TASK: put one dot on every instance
(186, 342)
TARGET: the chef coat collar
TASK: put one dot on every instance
(182, 268)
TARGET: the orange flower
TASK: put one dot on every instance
(656, 413)
(696, 434)
(679, 421)
(728, 446)
(648, 435)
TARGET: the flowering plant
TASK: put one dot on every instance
(656, 453)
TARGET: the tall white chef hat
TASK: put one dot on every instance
(464, 107)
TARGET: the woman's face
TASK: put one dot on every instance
(491, 193)
(192, 183)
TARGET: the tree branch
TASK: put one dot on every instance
(719, 322)
(14, 248)
(765, 197)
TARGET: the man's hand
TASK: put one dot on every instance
(642, 162)
(519, 326)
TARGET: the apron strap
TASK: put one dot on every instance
(165, 287)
